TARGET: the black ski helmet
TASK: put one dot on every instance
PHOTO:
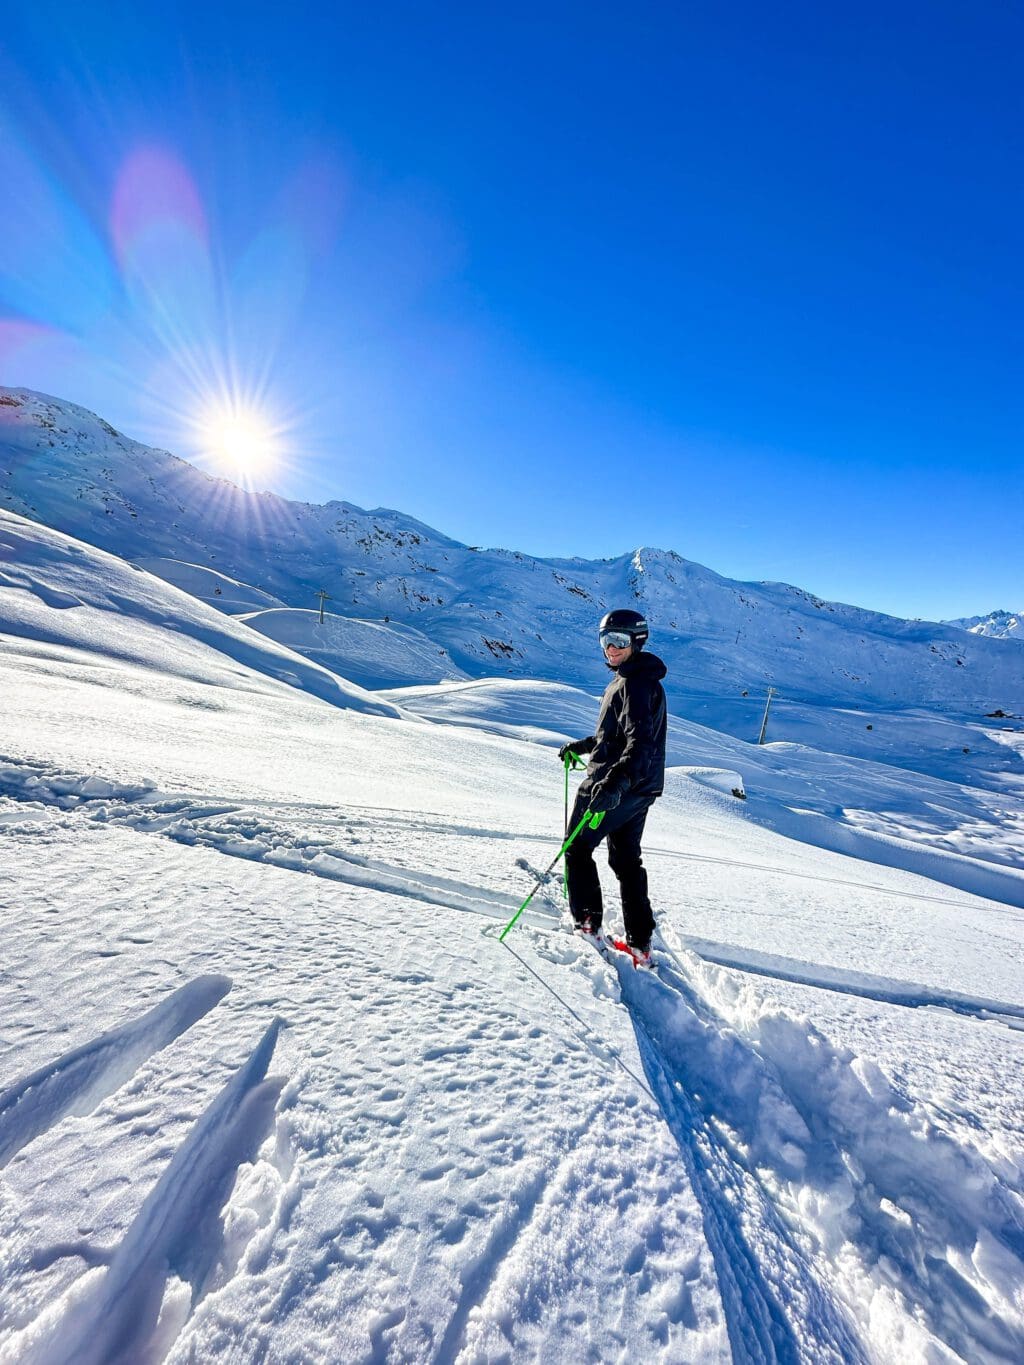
(630, 621)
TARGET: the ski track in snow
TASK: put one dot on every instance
(767, 1284)
(895, 1173)
(869, 1165)
(237, 832)
(796, 1150)
(826, 1196)
(260, 835)
(503, 1240)
(77, 1082)
(765, 1279)
(118, 1314)
(803, 1156)
(857, 983)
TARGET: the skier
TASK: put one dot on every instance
(625, 774)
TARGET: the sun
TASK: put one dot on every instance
(243, 443)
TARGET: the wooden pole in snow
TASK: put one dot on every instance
(324, 597)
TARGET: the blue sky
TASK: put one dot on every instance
(742, 281)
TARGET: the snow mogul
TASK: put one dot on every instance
(625, 776)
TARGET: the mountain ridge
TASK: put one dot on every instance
(492, 612)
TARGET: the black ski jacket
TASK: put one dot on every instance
(628, 749)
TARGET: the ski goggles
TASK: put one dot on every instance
(620, 639)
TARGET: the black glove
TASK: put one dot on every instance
(605, 796)
(576, 747)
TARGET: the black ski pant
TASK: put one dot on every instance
(623, 827)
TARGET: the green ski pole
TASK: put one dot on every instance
(591, 818)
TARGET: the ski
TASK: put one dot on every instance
(597, 941)
(643, 962)
(601, 943)
(606, 945)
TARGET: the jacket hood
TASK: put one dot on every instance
(640, 663)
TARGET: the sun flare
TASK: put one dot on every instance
(243, 443)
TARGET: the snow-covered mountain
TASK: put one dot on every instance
(471, 613)
(997, 625)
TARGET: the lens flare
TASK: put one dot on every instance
(241, 443)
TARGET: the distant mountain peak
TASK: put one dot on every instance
(996, 625)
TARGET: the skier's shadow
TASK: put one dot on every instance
(765, 1287)
(740, 1117)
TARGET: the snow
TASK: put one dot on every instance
(911, 693)
(271, 1088)
(999, 625)
(955, 832)
(84, 602)
(371, 653)
(215, 589)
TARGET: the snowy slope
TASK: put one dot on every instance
(369, 652)
(213, 588)
(271, 1089)
(66, 596)
(956, 833)
(500, 612)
